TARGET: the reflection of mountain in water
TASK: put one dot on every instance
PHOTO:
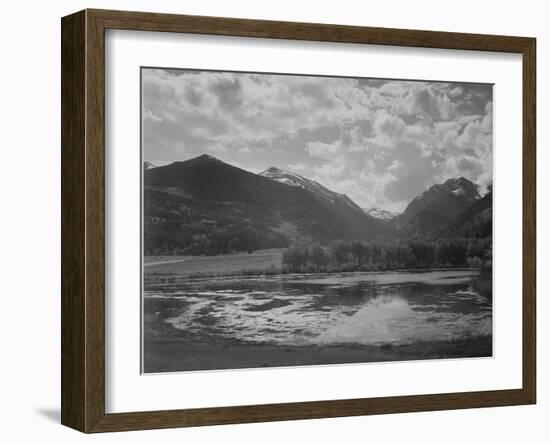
(365, 309)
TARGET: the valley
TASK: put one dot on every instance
(274, 269)
(204, 206)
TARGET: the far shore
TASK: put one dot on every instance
(266, 262)
(258, 262)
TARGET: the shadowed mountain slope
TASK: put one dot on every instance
(475, 222)
(204, 203)
(437, 207)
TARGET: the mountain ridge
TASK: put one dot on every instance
(476, 221)
(294, 179)
(204, 205)
(437, 207)
(189, 203)
(382, 214)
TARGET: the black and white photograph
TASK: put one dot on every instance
(297, 220)
(265, 222)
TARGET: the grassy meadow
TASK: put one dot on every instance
(268, 261)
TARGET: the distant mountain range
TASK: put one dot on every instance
(206, 206)
(385, 215)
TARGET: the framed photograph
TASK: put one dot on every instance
(266, 220)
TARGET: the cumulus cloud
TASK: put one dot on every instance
(424, 102)
(455, 92)
(388, 126)
(324, 151)
(298, 167)
(381, 142)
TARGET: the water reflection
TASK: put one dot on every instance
(365, 308)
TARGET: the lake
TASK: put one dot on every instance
(299, 311)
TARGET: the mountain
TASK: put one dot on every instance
(206, 206)
(313, 187)
(475, 222)
(382, 214)
(147, 165)
(437, 207)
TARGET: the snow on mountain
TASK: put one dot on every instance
(152, 164)
(385, 215)
(459, 191)
(320, 191)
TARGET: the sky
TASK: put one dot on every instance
(381, 142)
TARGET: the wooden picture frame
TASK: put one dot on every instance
(83, 220)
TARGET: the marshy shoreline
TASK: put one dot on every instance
(185, 315)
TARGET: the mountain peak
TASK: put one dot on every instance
(213, 196)
(380, 213)
(458, 180)
(463, 187)
(438, 205)
(319, 191)
(281, 175)
(459, 186)
(205, 156)
(272, 169)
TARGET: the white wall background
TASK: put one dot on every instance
(30, 217)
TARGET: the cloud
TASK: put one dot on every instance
(379, 141)
(331, 170)
(244, 107)
(149, 115)
(228, 91)
(389, 126)
(298, 167)
(455, 92)
(323, 151)
(395, 88)
(470, 165)
(468, 119)
(424, 102)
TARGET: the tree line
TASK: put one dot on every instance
(347, 256)
(202, 239)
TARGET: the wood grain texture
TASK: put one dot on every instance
(95, 222)
(529, 220)
(73, 255)
(144, 21)
(83, 220)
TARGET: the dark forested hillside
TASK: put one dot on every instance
(475, 222)
(205, 206)
(437, 208)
